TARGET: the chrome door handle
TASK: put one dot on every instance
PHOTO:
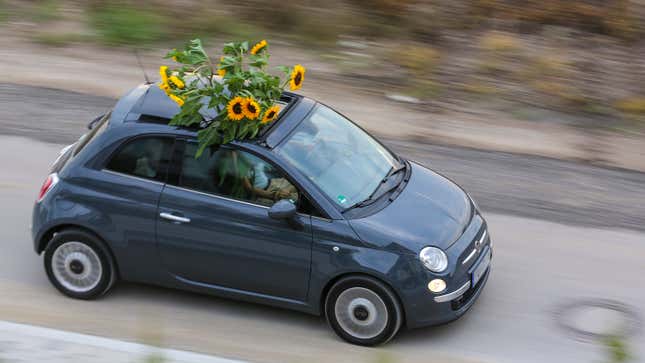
(174, 218)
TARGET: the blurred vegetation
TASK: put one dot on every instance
(617, 350)
(4, 13)
(45, 10)
(570, 56)
(154, 358)
(632, 105)
(117, 24)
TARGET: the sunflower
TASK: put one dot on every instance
(271, 114)
(235, 108)
(258, 47)
(165, 87)
(221, 72)
(163, 72)
(177, 81)
(179, 100)
(297, 77)
(251, 109)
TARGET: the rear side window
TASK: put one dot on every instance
(145, 157)
(97, 128)
(99, 125)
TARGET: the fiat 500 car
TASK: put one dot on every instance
(313, 215)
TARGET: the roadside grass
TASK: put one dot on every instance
(210, 24)
(122, 25)
(153, 358)
(497, 42)
(480, 88)
(632, 105)
(45, 10)
(4, 12)
(617, 350)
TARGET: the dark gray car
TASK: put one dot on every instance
(314, 215)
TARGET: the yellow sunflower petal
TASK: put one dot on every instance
(259, 47)
(177, 81)
(271, 114)
(221, 72)
(177, 99)
(251, 109)
(165, 87)
(297, 77)
(235, 108)
(163, 72)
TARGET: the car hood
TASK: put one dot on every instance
(430, 211)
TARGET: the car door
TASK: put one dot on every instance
(213, 226)
(127, 189)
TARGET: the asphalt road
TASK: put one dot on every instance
(538, 264)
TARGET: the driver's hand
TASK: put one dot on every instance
(283, 194)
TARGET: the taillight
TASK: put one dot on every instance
(49, 183)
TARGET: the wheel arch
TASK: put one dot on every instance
(334, 280)
(49, 234)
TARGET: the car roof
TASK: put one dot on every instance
(147, 104)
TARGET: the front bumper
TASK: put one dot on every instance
(424, 308)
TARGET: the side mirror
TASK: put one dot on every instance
(286, 210)
(282, 209)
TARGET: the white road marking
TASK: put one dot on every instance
(171, 355)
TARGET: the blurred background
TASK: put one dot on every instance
(536, 107)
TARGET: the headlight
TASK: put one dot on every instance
(434, 259)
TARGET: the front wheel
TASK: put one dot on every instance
(78, 265)
(363, 311)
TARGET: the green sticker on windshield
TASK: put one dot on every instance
(342, 199)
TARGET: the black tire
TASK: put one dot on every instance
(107, 275)
(394, 318)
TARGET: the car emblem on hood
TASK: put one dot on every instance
(480, 241)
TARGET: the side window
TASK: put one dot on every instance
(146, 157)
(235, 174)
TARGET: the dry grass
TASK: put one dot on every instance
(480, 88)
(418, 59)
(632, 105)
(497, 42)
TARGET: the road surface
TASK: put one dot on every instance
(538, 264)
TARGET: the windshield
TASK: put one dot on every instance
(346, 163)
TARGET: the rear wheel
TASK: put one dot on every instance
(78, 265)
(363, 311)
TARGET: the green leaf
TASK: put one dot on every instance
(245, 77)
(284, 69)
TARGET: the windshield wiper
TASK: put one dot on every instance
(371, 199)
(394, 171)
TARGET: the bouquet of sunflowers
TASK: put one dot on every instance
(229, 100)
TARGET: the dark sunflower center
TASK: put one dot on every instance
(271, 114)
(237, 108)
(251, 108)
(298, 78)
